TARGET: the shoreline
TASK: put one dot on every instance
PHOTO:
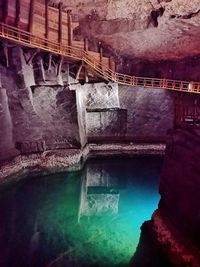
(55, 161)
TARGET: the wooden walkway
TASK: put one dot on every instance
(78, 54)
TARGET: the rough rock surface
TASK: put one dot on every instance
(174, 229)
(179, 186)
(150, 113)
(58, 160)
(47, 116)
(153, 29)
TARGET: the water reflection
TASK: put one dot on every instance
(99, 192)
(88, 218)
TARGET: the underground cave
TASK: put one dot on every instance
(99, 133)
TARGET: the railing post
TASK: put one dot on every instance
(31, 13)
(69, 18)
(60, 24)
(86, 44)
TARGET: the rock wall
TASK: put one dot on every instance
(150, 112)
(41, 110)
(101, 114)
(142, 29)
(6, 130)
(173, 234)
(34, 118)
(179, 186)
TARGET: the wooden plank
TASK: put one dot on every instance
(105, 61)
(111, 64)
(94, 55)
(79, 44)
(60, 24)
(38, 29)
(53, 14)
(31, 13)
(39, 19)
(79, 71)
(53, 36)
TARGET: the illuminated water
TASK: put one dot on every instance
(88, 218)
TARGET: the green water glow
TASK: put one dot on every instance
(87, 218)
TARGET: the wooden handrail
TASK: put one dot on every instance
(25, 38)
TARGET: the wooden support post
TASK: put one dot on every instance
(31, 13)
(79, 71)
(60, 24)
(70, 30)
(101, 53)
(59, 68)
(32, 56)
(86, 75)
(49, 62)
(18, 13)
(42, 69)
(46, 19)
(85, 69)
(86, 44)
(110, 63)
(5, 11)
(5, 50)
(67, 73)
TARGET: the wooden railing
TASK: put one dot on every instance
(27, 39)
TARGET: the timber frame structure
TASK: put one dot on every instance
(44, 27)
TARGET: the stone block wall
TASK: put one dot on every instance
(38, 115)
(34, 118)
(101, 116)
(106, 124)
(150, 112)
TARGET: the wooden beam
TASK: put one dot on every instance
(46, 19)
(86, 75)
(49, 62)
(86, 44)
(70, 30)
(5, 11)
(60, 66)
(29, 60)
(110, 63)
(41, 65)
(60, 24)
(31, 13)
(97, 74)
(18, 13)
(79, 71)
(100, 53)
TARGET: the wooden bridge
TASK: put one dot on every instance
(35, 24)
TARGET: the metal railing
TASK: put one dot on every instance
(25, 38)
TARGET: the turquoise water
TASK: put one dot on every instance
(87, 218)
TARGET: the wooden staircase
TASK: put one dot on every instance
(50, 29)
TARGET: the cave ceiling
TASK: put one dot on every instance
(146, 29)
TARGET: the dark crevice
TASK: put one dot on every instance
(187, 16)
(167, 1)
(155, 14)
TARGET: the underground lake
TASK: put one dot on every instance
(85, 218)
